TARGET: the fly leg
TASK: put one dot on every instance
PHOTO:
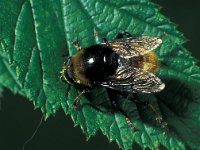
(76, 101)
(159, 119)
(97, 38)
(113, 99)
(123, 34)
(104, 40)
(116, 107)
(75, 43)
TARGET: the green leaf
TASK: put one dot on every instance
(1, 91)
(8, 76)
(34, 36)
(30, 52)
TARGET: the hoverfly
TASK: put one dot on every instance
(126, 63)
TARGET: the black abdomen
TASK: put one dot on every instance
(100, 62)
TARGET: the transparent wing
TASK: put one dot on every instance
(134, 80)
(134, 46)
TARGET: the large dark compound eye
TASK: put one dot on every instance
(68, 72)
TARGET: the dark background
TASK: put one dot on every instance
(18, 120)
